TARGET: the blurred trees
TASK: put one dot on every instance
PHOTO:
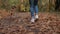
(52, 4)
(23, 5)
(7, 4)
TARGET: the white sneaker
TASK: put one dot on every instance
(33, 20)
(36, 17)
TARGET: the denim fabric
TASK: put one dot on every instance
(33, 7)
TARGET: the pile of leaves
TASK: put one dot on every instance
(19, 23)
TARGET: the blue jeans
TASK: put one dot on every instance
(33, 7)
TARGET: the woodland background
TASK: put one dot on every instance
(23, 5)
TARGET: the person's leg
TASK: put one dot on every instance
(32, 10)
(36, 8)
(36, 11)
(31, 7)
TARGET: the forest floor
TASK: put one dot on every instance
(19, 23)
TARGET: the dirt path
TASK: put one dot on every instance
(18, 23)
